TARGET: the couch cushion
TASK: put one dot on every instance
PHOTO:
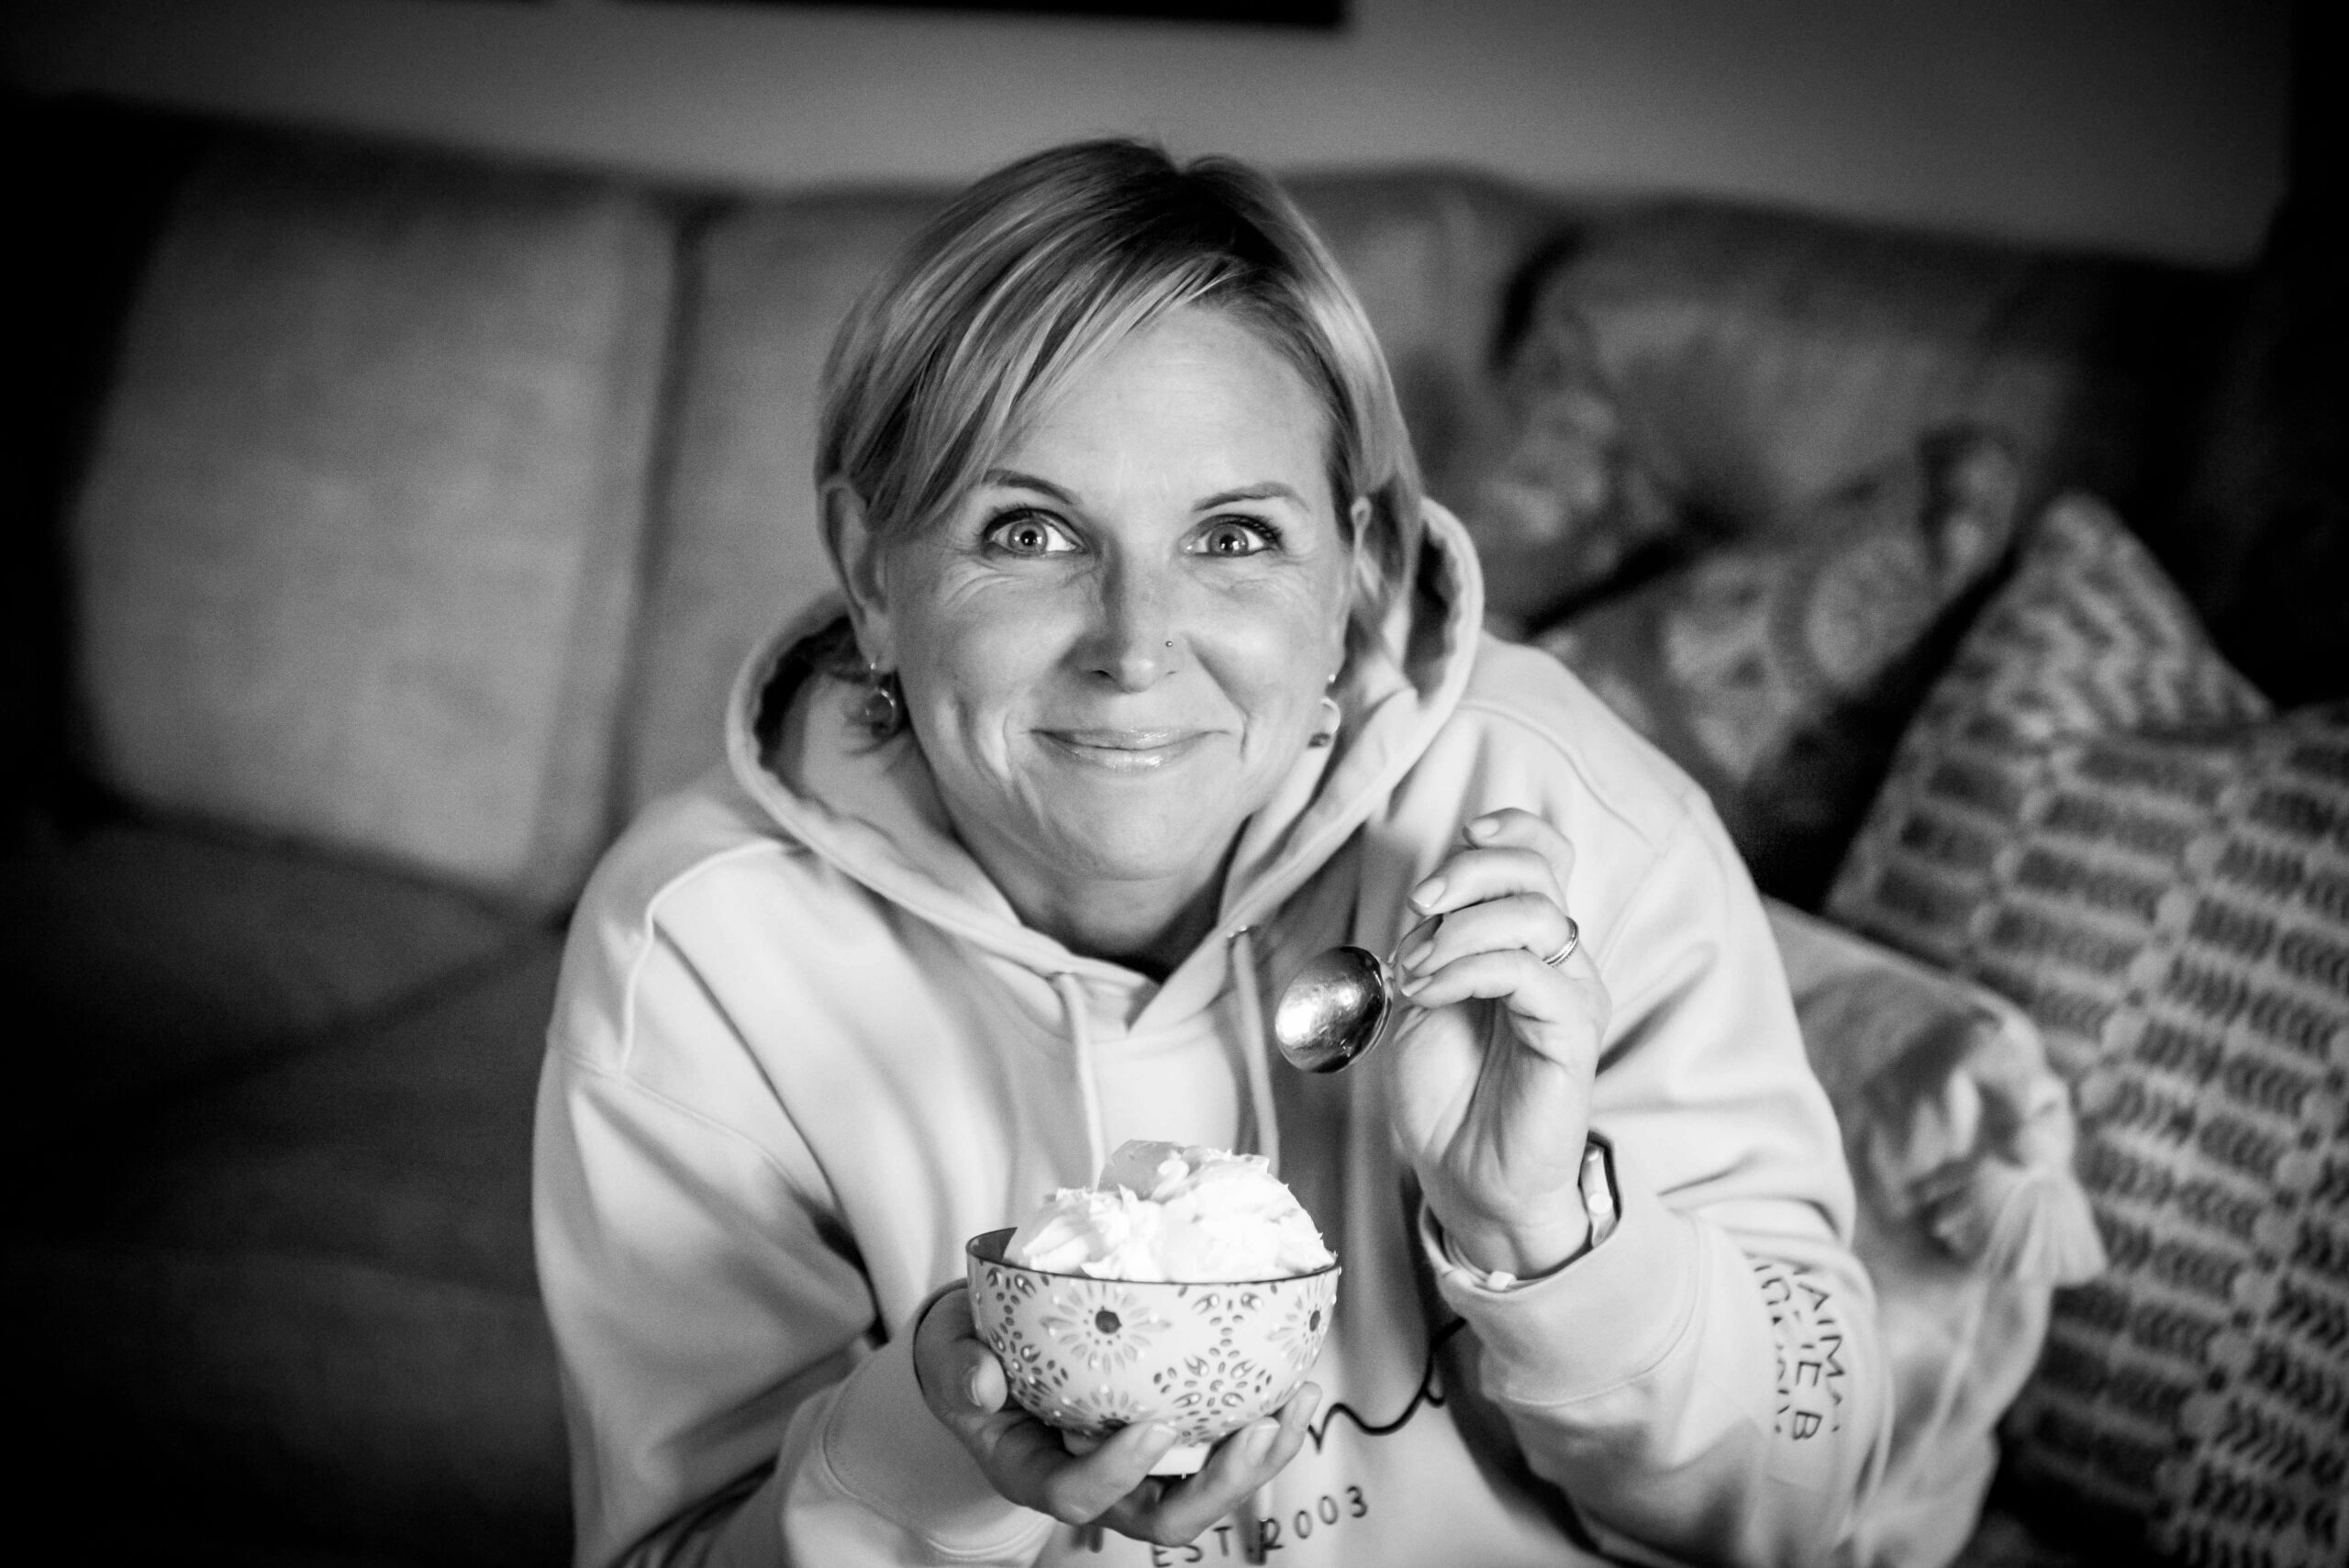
(145, 957)
(356, 543)
(2093, 815)
(1758, 357)
(1778, 671)
(738, 550)
(313, 1290)
(1438, 261)
(1568, 504)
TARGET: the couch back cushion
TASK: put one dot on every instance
(1762, 358)
(738, 551)
(356, 546)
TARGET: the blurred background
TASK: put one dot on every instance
(2151, 127)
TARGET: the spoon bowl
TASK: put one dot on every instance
(1335, 1010)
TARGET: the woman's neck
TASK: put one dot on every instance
(1151, 926)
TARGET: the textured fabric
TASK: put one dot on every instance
(1758, 358)
(2005, 1541)
(2093, 817)
(1568, 502)
(312, 1290)
(1777, 672)
(1960, 1140)
(738, 547)
(355, 548)
(149, 957)
(1437, 262)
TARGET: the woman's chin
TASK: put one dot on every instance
(1131, 839)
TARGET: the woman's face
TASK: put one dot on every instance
(1116, 649)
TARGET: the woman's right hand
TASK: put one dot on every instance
(1022, 1457)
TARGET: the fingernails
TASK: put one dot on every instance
(1483, 827)
(1428, 891)
(1257, 1441)
(1417, 953)
(1157, 1437)
(975, 1387)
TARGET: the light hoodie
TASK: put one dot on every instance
(804, 1049)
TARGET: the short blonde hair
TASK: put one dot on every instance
(1039, 268)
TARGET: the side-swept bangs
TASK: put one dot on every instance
(1041, 267)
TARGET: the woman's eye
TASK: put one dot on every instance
(1231, 536)
(1028, 533)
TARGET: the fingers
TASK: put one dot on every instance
(1520, 922)
(1505, 891)
(1513, 829)
(960, 1378)
(965, 1386)
(1027, 1462)
(1031, 1466)
(1506, 851)
(1171, 1513)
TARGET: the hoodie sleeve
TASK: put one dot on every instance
(1707, 1383)
(731, 1396)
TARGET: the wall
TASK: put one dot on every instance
(2149, 125)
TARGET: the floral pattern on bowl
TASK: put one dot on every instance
(1090, 1356)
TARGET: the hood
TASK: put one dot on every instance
(872, 812)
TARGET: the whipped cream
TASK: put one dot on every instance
(1172, 1211)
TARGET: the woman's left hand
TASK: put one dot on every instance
(1490, 1068)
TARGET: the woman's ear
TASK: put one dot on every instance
(857, 561)
(1364, 582)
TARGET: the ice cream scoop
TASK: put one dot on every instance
(1170, 1211)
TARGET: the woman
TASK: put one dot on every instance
(1155, 677)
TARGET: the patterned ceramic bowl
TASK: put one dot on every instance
(1092, 1355)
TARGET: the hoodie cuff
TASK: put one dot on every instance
(887, 1452)
(1601, 1320)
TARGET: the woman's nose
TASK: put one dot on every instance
(1133, 641)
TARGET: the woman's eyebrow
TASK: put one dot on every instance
(1271, 489)
(1015, 479)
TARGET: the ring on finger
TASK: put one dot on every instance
(1567, 948)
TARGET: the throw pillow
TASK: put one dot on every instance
(2096, 816)
(1778, 671)
(1567, 503)
(1960, 1142)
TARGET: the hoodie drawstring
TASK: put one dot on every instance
(1071, 992)
(1254, 1048)
(1255, 1053)
(1257, 1049)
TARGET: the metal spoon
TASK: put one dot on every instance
(1336, 1009)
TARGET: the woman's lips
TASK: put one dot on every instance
(1124, 750)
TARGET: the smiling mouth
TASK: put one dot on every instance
(1123, 751)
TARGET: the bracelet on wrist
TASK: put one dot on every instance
(1600, 1207)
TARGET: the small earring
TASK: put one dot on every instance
(882, 711)
(1332, 716)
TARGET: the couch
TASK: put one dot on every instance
(391, 520)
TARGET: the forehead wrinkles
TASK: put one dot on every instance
(1212, 388)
